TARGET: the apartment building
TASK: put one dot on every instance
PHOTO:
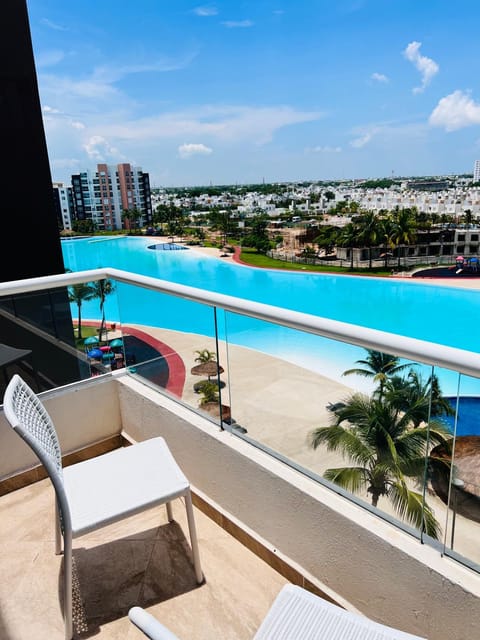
(105, 194)
(64, 205)
(476, 171)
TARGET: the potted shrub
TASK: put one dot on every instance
(210, 401)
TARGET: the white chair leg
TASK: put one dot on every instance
(67, 585)
(58, 531)
(193, 537)
(169, 511)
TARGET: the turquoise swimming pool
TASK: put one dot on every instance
(440, 314)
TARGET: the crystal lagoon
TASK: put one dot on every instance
(440, 314)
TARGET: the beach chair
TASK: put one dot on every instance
(296, 614)
(99, 491)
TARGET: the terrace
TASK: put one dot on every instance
(265, 513)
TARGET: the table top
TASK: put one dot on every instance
(8, 354)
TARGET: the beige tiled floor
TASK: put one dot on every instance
(141, 561)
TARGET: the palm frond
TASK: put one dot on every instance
(338, 438)
(352, 479)
(410, 507)
(359, 372)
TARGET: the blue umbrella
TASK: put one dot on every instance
(94, 353)
(91, 340)
(118, 342)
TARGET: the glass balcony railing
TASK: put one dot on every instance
(387, 421)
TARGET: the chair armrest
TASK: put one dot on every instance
(149, 625)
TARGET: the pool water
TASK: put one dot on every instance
(434, 313)
(468, 422)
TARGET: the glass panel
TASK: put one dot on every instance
(355, 418)
(457, 482)
(38, 341)
(177, 351)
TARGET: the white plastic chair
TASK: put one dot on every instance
(296, 614)
(99, 491)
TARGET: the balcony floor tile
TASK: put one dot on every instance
(141, 561)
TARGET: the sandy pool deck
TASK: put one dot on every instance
(279, 404)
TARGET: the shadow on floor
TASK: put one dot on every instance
(141, 569)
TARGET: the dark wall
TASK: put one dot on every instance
(29, 229)
(28, 218)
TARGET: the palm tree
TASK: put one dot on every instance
(78, 293)
(369, 232)
(387, 231)
(209, 392)
(379, 439)
(204, 355)
(130, 218)
(101, 289)
(405, 231)
(422, 398)
(349, 238)
(378, 366)
(327, 238)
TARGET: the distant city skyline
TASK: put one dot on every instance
(226, 93)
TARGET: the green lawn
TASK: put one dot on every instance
(251, 257)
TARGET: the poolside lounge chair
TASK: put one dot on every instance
(296, 614)
(99, 491)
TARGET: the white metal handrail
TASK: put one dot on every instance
(461, 360)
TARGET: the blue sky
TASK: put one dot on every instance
(240, 92)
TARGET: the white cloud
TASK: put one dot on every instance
(379, 77)
(361, 141)
(455, 111)
(326, 149)
(389, 135)
(53, 25)
(76, 124)
(206, 11)
(237, 24)
(228, 123)
(108, 74)
(427, 67)
(99, 85)
(100, 150)
(193, 149)
(63, 88)
(47, 109)
(48, 58)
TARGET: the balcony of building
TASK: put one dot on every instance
(265, 512)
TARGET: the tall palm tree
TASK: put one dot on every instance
(378, 366)
(101, 289)
(369, 232)
(78, 293)
(422, 398)
(327, 238)
(348, 237)
(130, 218)
(405, 229)
(387, 232)
(386, 451)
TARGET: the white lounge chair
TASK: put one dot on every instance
(296, 614)
(99, 491)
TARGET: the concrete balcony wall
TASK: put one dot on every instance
(375, 567)
(358, 559)
(84, 414)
